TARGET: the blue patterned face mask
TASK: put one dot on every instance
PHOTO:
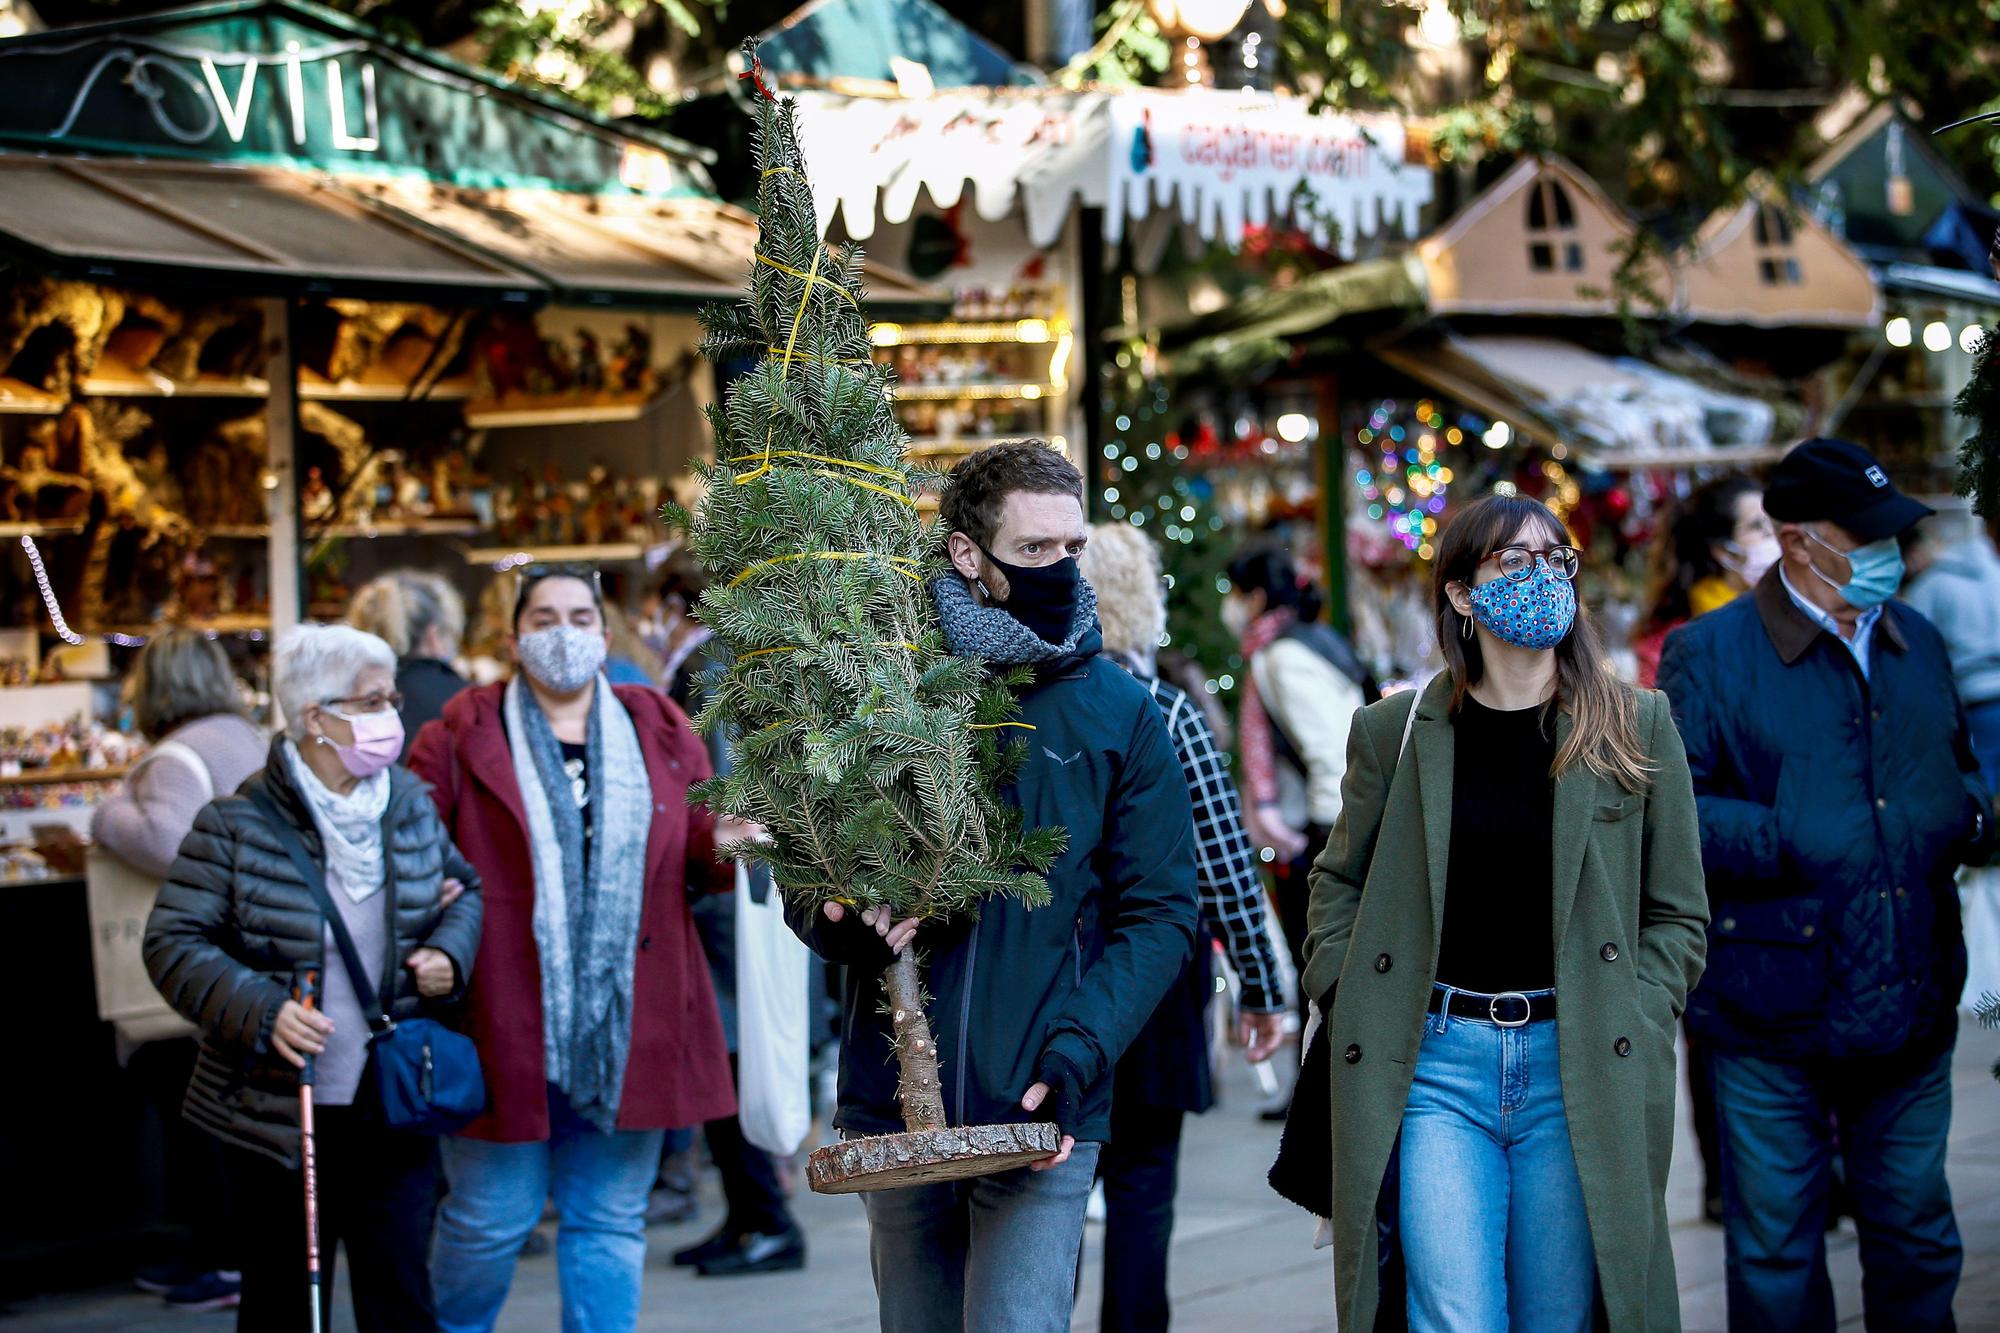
(1537, 612)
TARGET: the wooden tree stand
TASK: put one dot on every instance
(928, 1151)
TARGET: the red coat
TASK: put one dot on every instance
(678, 1070)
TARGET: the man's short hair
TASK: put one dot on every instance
(977, 489)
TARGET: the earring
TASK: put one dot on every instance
(1465, 628)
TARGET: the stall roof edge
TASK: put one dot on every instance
(314, 15)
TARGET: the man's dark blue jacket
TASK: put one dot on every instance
(1078, 977)
(1835, 811)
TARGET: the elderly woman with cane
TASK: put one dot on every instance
(329, 820)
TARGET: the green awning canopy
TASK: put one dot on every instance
(298, 153)
(287, 83)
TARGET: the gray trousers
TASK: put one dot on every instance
(995, 1254)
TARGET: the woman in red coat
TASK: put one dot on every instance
(591, 1003)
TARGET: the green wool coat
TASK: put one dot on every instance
(1629, 921)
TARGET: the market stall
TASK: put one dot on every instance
(290, 304)
(1032, 196)
(1345, 414)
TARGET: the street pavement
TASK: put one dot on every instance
(1242, 1257)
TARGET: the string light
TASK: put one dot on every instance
(68, 635)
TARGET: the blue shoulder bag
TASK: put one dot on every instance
(426, 1076)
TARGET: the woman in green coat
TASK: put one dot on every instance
(1503, 931)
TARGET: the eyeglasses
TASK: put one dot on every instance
(1518, 562)
(366, 703)
(530, 575)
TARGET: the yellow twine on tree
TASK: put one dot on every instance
(808, 278)
(831, 461)
(772, 171)
(992, 726)
(895, 562)
(866, 486)
(792, 342)
(816, 358)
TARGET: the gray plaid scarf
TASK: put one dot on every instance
(989, 633)
(587, 908)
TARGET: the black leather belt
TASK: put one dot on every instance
(1511, 1009)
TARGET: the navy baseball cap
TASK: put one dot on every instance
(1833, 481)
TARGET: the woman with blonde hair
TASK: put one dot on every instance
(1164, 1074)
(1518, 836)
(422, 619)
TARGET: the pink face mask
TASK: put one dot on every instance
(378, 741)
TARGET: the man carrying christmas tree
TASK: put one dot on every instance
(1031, 1008)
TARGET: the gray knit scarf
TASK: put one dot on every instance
(587, 909)
(988, 632)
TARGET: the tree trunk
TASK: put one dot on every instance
(916, 1053)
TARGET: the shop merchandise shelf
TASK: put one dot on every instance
(919, 393)
(556, 409)
(528, 553)
(19, 398)
(930, 446)
(59, 527)
(113, 377)
(233, 622)
(996, 331)
(378, 387)
(38, 777)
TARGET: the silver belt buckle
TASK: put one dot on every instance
(1493, 1009)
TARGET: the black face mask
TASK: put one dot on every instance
(1041, 597)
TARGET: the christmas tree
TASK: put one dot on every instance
(870, 753)
(1979, 454)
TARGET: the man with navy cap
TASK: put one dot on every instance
(1838, 795)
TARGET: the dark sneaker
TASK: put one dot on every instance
(210, 1291)
(759, 1254)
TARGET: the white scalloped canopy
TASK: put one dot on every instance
(1221, 160)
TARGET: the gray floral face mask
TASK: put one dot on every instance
(562, 658)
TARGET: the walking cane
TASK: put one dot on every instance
(306, 992)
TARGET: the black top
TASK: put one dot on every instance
(1499, 884)
(426, 685)
(576, 767)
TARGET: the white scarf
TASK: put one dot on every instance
(350, 826)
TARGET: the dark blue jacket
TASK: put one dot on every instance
(1078, 977)
(1835, 811)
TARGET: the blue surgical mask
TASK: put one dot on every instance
(1876, 572)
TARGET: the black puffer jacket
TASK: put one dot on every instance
(234, 923)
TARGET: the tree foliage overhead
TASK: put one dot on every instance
(1668, 103)
(870, 752)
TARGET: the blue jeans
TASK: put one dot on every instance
(1493, 1230)
(1777, 1122)
(600, 1182)
(995, 1254)
(1984, 720)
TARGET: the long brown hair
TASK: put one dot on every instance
(1604, 735)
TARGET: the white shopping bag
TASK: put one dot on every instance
(772, 1051)
(1979, 896)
